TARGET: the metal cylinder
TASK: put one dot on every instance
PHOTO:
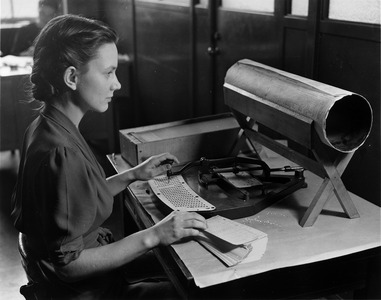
(342, 119)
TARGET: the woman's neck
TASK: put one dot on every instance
(70, 110)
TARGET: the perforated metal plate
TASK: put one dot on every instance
(177, 194)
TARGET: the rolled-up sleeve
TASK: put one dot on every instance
(66, 191)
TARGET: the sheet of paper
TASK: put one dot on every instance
(231, 231)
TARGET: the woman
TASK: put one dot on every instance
(62, 196)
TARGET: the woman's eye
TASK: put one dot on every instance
(111, 73)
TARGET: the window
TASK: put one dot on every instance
(364, 11)
(299, 8)
(18, 10)
(173, 2)
(252, 5)
(13, 11)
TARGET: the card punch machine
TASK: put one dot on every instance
(327, 123)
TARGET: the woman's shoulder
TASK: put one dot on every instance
(53, 155)
(46, 141)
(45, 137)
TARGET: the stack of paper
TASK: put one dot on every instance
(233, 242)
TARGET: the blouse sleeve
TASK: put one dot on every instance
(67, 193)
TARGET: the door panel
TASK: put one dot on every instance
(354, 71)
(245, 35)
(163, 62)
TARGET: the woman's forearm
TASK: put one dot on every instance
(100, 260)
(174, 227)
(119, 182)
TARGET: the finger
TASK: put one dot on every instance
(190, 232)
(167, 162)
(188, 215)
(163, 166)
(161, 161)
(169, 157)
(159, 170)
(194, 223)
(194, 215)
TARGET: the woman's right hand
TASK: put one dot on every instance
(178, 225)
(154, 166)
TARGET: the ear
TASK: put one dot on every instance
(70, 77)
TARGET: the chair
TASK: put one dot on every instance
(34, 289)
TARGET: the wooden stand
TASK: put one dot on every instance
(319, 158)
(334, 164)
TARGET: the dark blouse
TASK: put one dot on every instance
(61, 198)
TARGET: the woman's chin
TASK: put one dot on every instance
(102, 108)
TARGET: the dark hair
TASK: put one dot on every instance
(66, 40)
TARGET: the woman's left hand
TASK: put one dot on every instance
(154, 166)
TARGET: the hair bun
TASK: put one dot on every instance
(42, 90)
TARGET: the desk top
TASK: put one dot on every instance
(333, 234)
(15, 65)
(9, 72)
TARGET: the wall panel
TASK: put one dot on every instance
(354, 64)
(294, 51)
(163, 62)
(245, 35)
(203, 104)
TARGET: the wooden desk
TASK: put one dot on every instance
(336, 255)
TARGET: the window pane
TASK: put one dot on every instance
(203, 2)
(365, 11)
(299, 8)
(255, 5)
(6, 12)
(25, 8)
(173, 2)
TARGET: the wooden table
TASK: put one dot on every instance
(335, 255)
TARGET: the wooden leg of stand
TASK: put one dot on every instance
(329, 185)
(334, 166)
(238, 145)
(317, 204)
(245, 124)
(342, 194)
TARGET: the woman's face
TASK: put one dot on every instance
(97, 80)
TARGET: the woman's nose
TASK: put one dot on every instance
(116, 84)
